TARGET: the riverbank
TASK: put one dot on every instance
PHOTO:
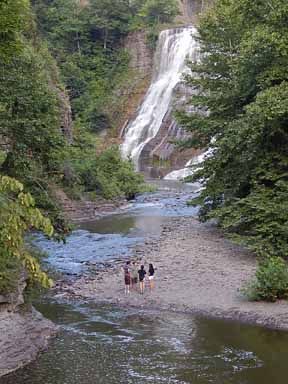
(23, 337)
(76, 211)
(198, 272)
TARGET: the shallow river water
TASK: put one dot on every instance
(109, 345)
(106, 345)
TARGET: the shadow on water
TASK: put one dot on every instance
(107, 345)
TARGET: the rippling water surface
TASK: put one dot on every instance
(108, 345)
(104, 345)
(115, 236)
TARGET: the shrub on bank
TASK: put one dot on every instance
(107, 175)
(271, 281)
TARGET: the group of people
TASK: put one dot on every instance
(132, 274)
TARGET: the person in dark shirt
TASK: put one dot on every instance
(151, 273)
(134, 275)
(142, 274)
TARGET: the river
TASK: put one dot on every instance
(105, 344)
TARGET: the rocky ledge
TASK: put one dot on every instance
(24, 332)
(76, 211)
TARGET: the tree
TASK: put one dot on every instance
(18, 215)
(29, 119)
(159, 11)
(243, 82)
(13, 21)
(110, 19)
(62, 20)
(30, 135)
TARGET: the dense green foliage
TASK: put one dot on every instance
(159, 11)
(86, 40)
(33, 150)
(37, 153)
(28, 139)
(18, 214)
(243, 82)
(271, 282)
(13, 20)
(104, 175)
(111, 177)
(30, 136)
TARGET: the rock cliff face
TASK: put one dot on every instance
(160, 155)
(86, 210)
(140, 66)
(141, 56)
(23, 331)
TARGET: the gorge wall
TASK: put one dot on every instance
(140, 69)
(160, 154)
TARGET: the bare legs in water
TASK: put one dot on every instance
(127, 289)
(142, 286)
(151, 283)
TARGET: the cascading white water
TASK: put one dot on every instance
(174, 47)
(190, 167)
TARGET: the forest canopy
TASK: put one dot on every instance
(243, 82)
(85, 37)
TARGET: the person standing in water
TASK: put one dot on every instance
(127, 277)
(134, 275)
(142, 274)
(151, 273)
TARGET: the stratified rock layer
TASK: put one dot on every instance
(24, 332)
(86, 210)
(141, 56)
(22, 337)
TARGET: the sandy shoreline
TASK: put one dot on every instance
(198, 272)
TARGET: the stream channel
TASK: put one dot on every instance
(100, 344)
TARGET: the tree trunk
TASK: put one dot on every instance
(78, 43)
(105, 38)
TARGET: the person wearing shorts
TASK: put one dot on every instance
(127, 277)
(151, 273)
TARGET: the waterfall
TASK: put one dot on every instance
(174, 47)
(189, 168)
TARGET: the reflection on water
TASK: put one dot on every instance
(104, 345)
(115, 346)
(129, 225)
(111, 224)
